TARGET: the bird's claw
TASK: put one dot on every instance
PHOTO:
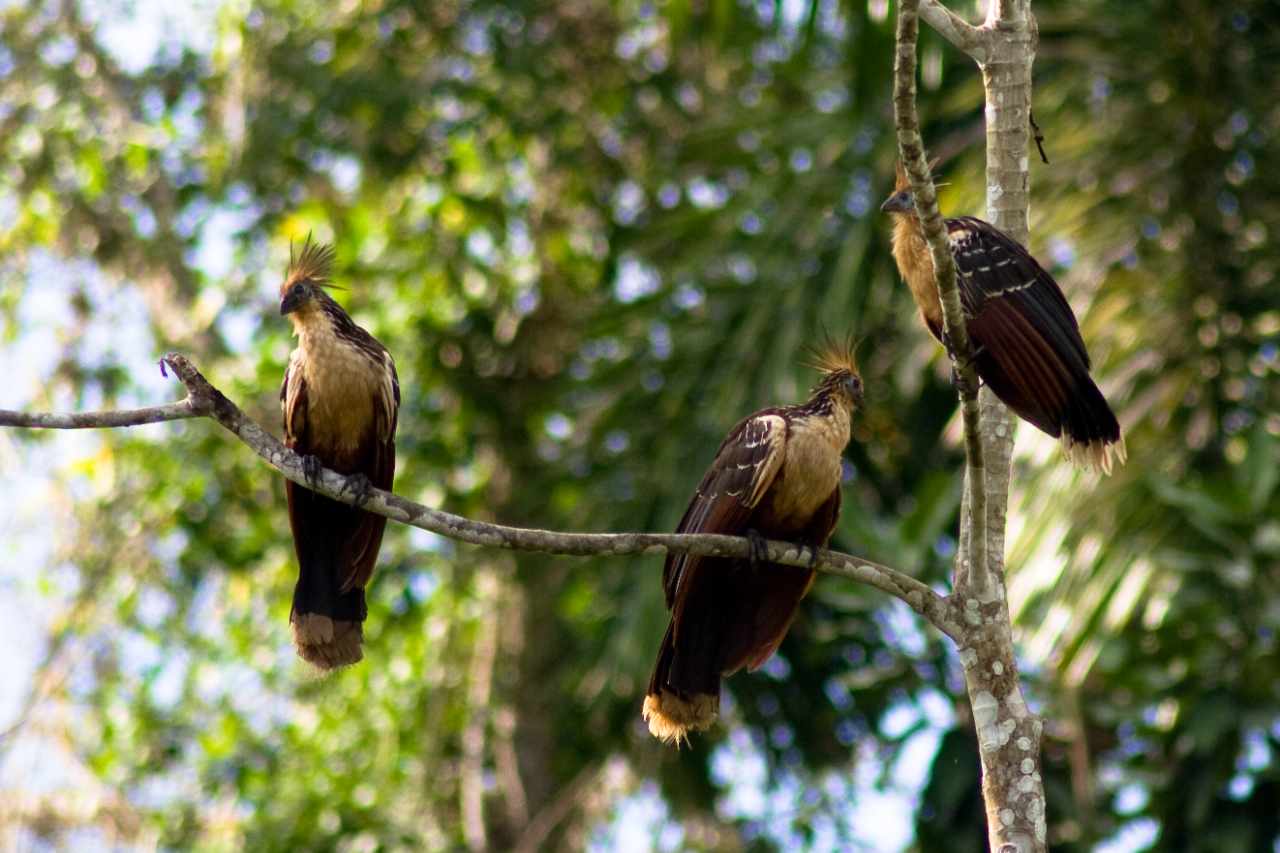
(975, 349)
(758, 547)
(360, 487)
(961, 384)
(814, 553)
(960, 366)
(312, 467)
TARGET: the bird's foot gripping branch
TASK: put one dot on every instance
(206, 401)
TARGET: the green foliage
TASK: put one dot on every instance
(1162, 617)
(594, 236)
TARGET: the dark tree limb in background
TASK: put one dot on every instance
(1009, 735)
(569, 798)
(205, 401)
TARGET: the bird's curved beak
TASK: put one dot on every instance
(897, 204)
(856, 395)
(289, 304)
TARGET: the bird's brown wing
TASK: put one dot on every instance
(361, 550)
(293, 401)
(771, 598)
(744, 467)
(992, 264)
(1032, 355)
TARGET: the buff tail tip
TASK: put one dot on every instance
(671, 718)
(324, 643)
(1095, 456)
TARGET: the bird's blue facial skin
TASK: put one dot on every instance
(853, 386)
(297, 295)
(898, 202)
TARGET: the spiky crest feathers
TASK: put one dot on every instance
(833, 355)
(313, 265)
(900, 181)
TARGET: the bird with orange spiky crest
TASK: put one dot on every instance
(340, 398)
(776, 476)
(1027, 344)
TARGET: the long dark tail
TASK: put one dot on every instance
(673, 711)
(1067, 407)
(1034, 361)
(729, 615)
(1090, 431)
(325, 621)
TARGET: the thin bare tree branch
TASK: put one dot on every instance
(204, 400)
(959, 346)
(181, 410)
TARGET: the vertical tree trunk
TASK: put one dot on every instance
(1009, 735)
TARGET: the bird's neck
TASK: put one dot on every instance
(828, 415)
(316, 322)
(911, 253)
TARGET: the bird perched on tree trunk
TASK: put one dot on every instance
(777, 476)
(340, 398)
(1027, 344)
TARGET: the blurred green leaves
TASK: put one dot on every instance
(594, 236)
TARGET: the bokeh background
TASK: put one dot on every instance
(594, 235)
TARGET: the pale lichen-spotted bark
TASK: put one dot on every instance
(1009, 735)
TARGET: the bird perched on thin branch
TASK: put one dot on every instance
(777, 476)
(1027, 344)
(340, 398)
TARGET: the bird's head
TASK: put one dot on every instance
(835, 358)
(902, 201)
(308, 273)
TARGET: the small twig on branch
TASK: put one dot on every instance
(204, 400)
(911, 147)
(1037, 136)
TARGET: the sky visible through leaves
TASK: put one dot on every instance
(879, 801)
(583, 224)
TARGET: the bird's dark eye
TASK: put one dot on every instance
(298, 289)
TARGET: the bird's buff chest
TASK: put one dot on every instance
(916, 265)
(812, 469)
(342, 384)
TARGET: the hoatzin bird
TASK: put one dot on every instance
(777, 476)
(1026, 339)
(340, 398)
